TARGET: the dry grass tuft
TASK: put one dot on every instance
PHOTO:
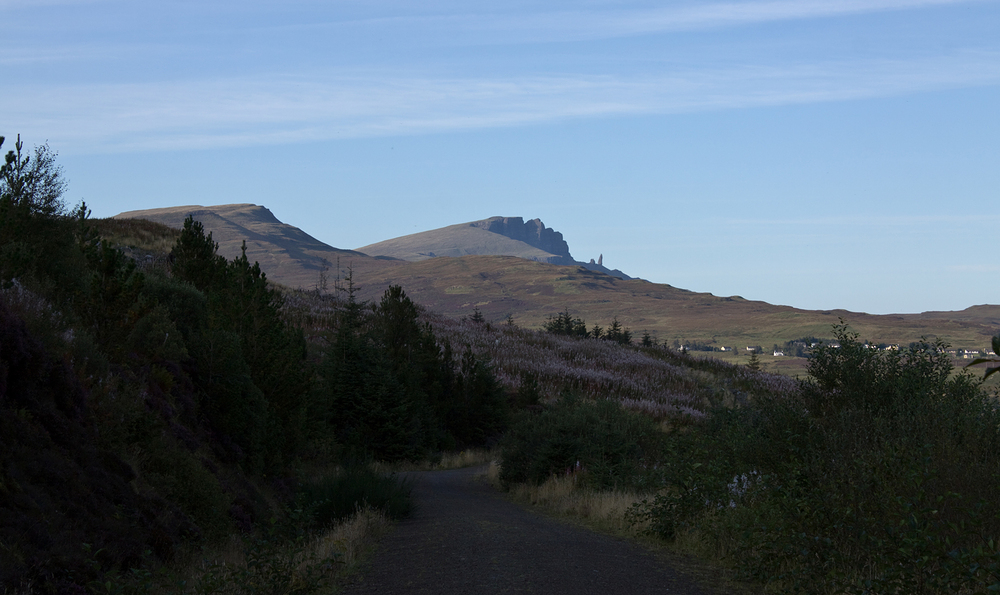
(315, 565)
(349, 541)
(138, 233)
(466, 458)
(564, 495)
(449, 460)
(492, 474)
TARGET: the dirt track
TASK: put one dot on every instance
(464, 538)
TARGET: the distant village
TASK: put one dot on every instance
(801, 349)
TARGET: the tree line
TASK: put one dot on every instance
(565, 324)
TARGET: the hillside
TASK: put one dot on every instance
(504, 236)
(496, 236)
(287, 254)
(531, 290)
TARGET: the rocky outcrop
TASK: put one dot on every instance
(533, 233)
(497, 236)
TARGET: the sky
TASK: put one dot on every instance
(815, 153)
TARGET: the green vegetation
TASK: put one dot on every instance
(565, 324)
(609, 446)
(336, 497)
(389, 387)
(153, 407)
(879, 476)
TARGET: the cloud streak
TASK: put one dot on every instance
(575, 25)
(284, 109)
(863, 220)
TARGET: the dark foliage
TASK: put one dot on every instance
(390, 389)
(59, 490)
(611, 446)
(336, 497)
(879, 477)
(250, 364)
(565, 324)
(141, 408)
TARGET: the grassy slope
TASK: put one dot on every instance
(455, 240)
(286, 254)
(532, 291)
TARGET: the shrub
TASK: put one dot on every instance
(613, 446)
(183, 479)
(337, 497)
(880, 476)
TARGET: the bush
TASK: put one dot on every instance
(336, 497)
(880, 476)
(184, 480)
(612, 446)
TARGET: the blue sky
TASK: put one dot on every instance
(816, 153)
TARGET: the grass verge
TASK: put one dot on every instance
(449, 460)
(606, 511)
(309, 564)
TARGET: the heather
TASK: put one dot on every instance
(656, 380)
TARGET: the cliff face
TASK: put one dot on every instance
(533, 233)
(499, 236)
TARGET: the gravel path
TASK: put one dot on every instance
(466, 539)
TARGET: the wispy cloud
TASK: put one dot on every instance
(283, 109)
(867, 221)
(568, 25)
(33, 4)
(15, 56)
(977, 269)
(743, 13)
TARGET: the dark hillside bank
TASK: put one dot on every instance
(156, 401)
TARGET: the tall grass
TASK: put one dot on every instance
(605, 509)
(138, 234)
(312, 563)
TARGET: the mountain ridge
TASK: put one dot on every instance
(286, 254)
(530, 291)
(496, 236)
